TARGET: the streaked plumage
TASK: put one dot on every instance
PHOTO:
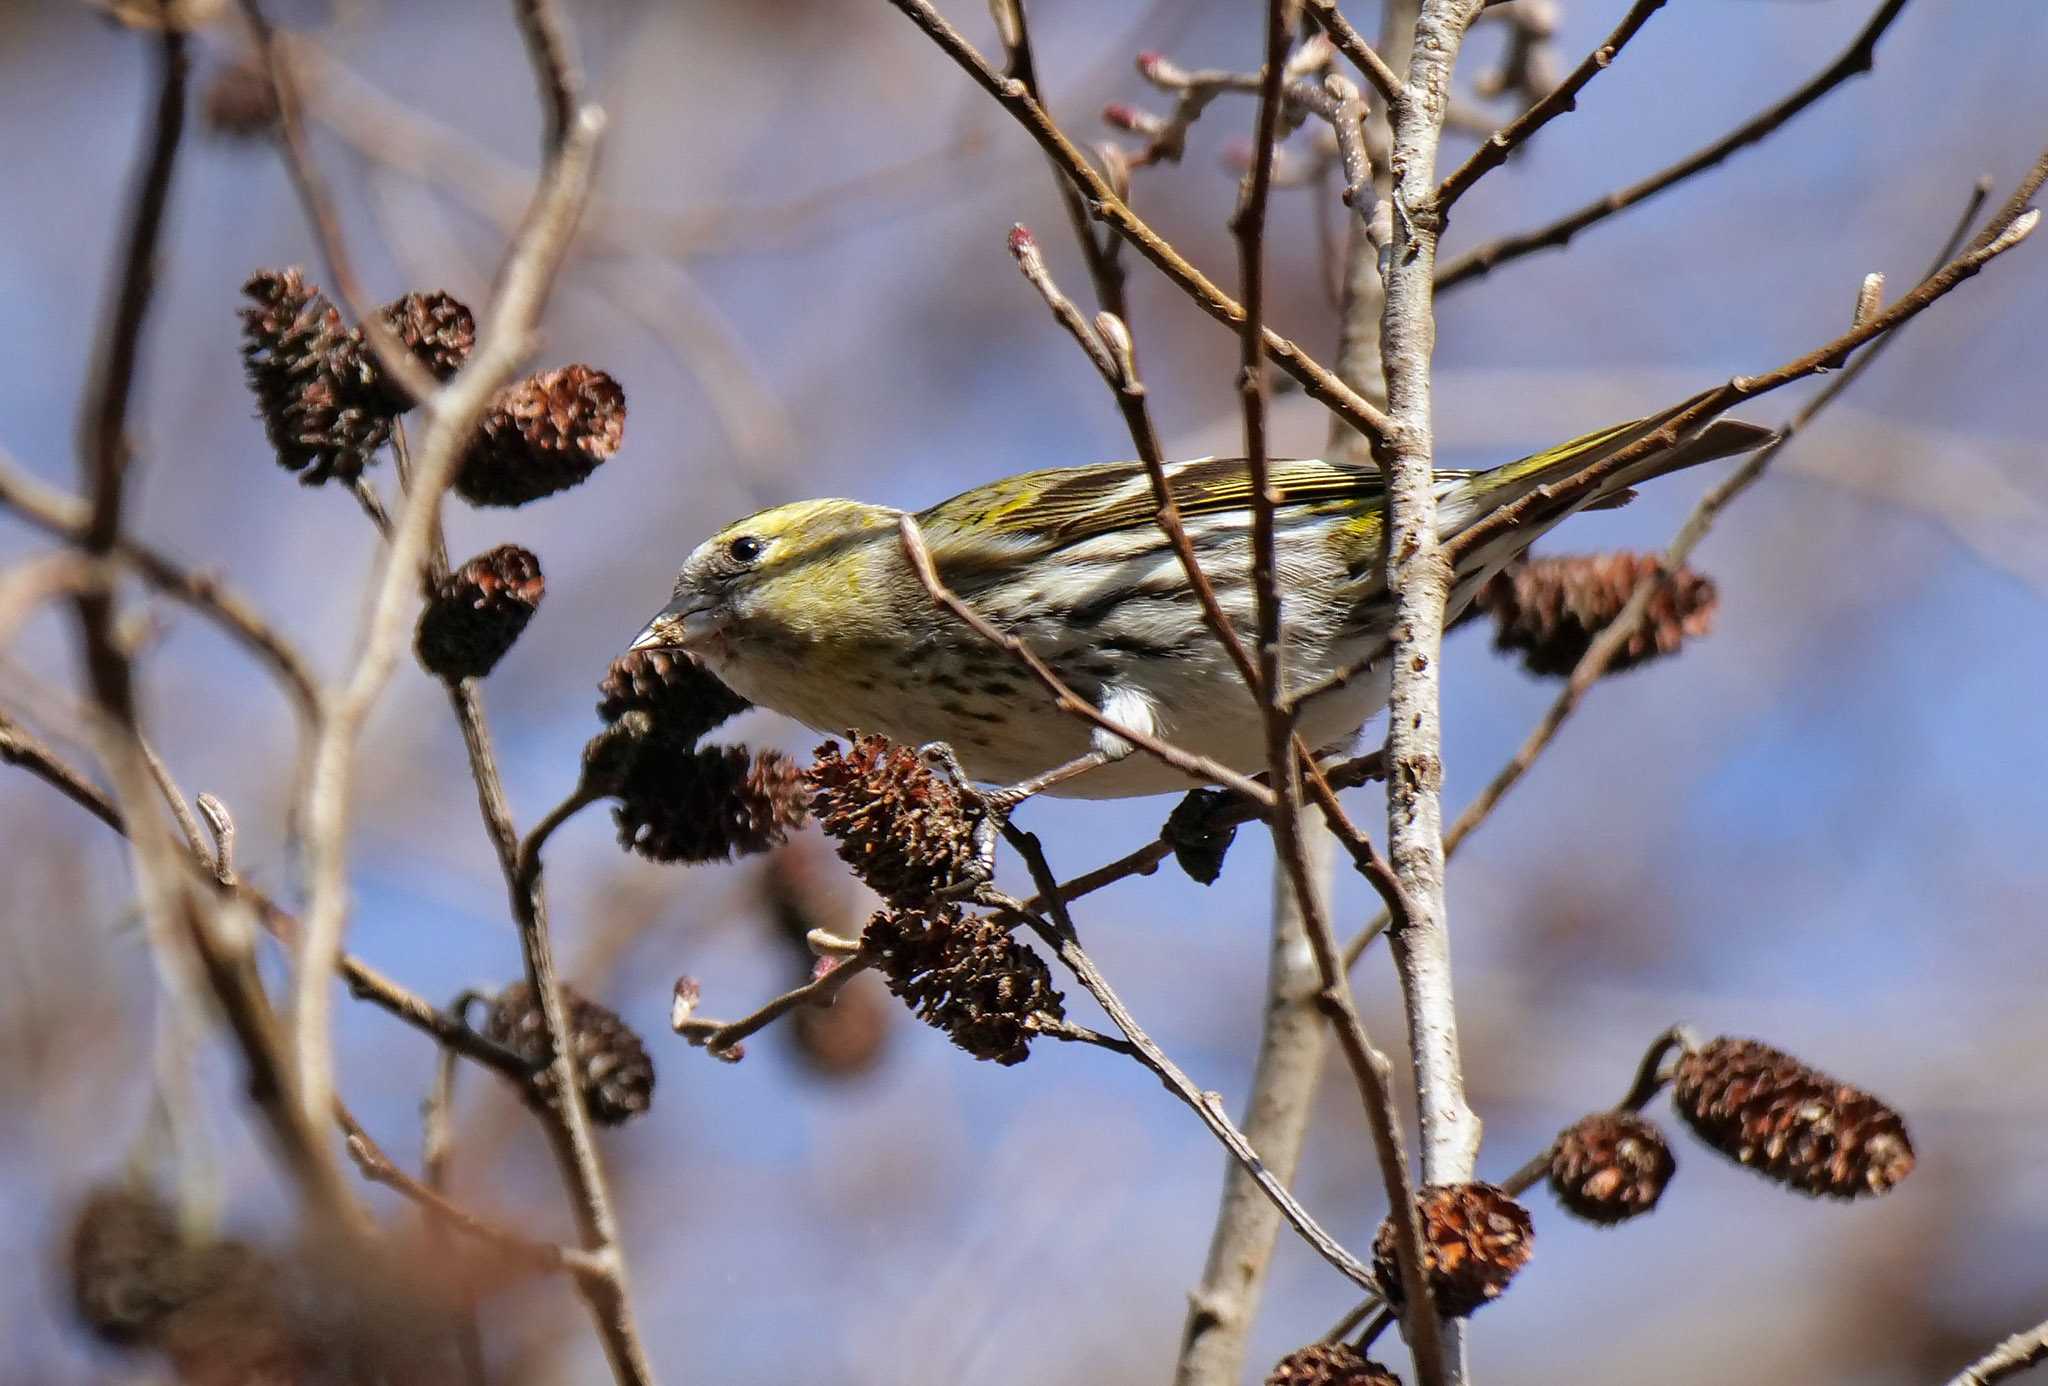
(812, 609)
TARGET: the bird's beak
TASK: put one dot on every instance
(675, 627)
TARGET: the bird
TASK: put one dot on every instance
(813, 609)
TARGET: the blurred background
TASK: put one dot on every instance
(1820, 825)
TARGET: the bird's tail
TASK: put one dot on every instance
(1485, 492)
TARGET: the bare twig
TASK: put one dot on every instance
(1369, 1068)
(1107, 343)
(1611, 640)
(1105, 264)
(190, 942)
(554, 69)
(1494, 150)
(1337, 101)
(379, 1168)
(68, 518)
(722, 1037)
(2015, 1354)
(1060, 936)
(1352, 45)
(1317, 381)
(1858, 57)
(2001, 234)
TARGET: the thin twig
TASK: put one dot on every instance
(379, 1168)
(1352, 45)
(68, 518)
(1494, 150)
(1608, 644)
(1059, 935)
(1317, 381)
(2001, 235)
(1605, 646)
(1858, 57)
(1105, 265)
(1107, 343)
(20, 747)
(554, 69)
(190, 941)
(722, 1037)
(2015, 1354)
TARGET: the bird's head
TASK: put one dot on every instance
(781, 577)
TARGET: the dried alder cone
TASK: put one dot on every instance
(476, 613)
(1763, 1108)
(1474, 1239)
(966, 976)
(1610, 1166)
(611, 1064)
(312, 379)
(224, 1312)
(129, 1264)
(1549, 609)
(438, 331)
(325, 403)
(1329, 1364)
(1198, 835)
(684, 698)
(541, 435)
(902, 828)
(679, 802)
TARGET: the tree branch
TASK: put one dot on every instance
(1859, 57)
(1493, 151)
(1317, 381)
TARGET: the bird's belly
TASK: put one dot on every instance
(1005, 726)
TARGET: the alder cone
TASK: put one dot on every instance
(1610, 1167)
(1329, 1364)
(1474, 1239)
(1763, 1108)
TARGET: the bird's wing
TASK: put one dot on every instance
(1071, 503)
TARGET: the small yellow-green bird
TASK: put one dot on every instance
(814, 610)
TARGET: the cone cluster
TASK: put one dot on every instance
(611, 1064)
(1765, 1109)
(964, 975)
(1474, 1239)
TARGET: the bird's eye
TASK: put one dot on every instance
(745, 549)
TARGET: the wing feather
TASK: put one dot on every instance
(1072, 503)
